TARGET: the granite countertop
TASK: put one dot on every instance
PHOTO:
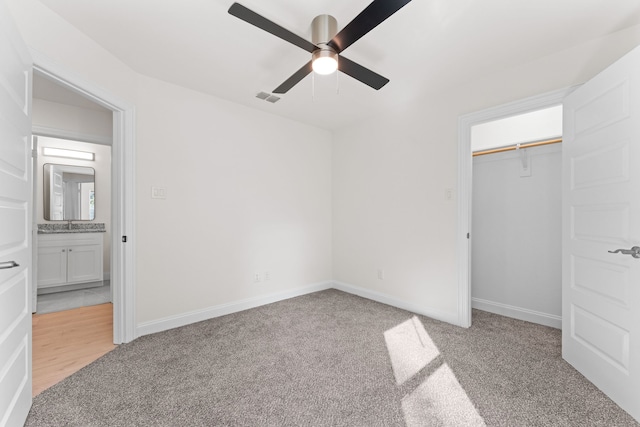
(63, 227)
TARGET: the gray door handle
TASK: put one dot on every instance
(8, 264)
(634, 251)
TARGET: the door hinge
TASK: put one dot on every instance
(468, 235)
(124, 239)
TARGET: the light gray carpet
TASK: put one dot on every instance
(331, 358)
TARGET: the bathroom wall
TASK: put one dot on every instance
(62, 119)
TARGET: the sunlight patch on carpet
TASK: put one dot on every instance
(410, 349)
(439, 399)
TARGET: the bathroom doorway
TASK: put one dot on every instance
(71, 193)
(122, 241)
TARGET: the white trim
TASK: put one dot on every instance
(465, 123)
(122, 190)
(463, 243)
(74, 136)
(398, 303)
(520, 313)
(123, 266)
(166, 323)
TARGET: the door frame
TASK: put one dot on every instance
(122, 191)
(465, 184)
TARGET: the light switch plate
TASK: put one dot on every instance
(448, 193)
(158, 193)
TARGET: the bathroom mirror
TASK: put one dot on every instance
(69, 193)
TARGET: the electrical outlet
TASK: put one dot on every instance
(380, 274)
(266, 275)
(256, 277)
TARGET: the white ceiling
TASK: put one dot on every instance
(426, 46)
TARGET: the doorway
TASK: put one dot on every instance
(465, 177)
(516, 262)
(122, 276)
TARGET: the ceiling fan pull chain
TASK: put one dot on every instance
(337, 83)
(313, 87)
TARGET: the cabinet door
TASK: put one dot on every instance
(84, 263)
(52, 266)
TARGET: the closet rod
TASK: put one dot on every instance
(514, 147)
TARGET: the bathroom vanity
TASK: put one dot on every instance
(69, 256)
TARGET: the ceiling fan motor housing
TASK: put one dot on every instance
(323, 29)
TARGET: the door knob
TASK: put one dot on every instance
(634, 251)
(8, 264)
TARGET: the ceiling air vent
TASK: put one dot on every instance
(267, 97)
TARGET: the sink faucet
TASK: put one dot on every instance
(69, 224)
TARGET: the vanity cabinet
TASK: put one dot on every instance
(69, 259)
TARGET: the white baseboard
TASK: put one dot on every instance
(395, 302)
(518, 312)
(176, 321)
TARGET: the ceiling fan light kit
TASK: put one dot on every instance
(327, 43)
(324, 61)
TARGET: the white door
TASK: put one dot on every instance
(601, 213)
(15, 225)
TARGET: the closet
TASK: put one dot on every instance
(516, 267)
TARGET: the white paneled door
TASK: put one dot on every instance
(601, 214)
(15, 228)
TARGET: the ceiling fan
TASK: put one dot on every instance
(327, 44)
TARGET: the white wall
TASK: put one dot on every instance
(536, 125)
(390, 176)
(46, 32)
(102, 167)
(391, 172)
(517, 241)
(385, 182)
(246, 191)
(86, 124)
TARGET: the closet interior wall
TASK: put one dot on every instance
(516, 234)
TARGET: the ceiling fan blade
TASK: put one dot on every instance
(294, 79)
(372, 16)
(361, 73)
(247, 15)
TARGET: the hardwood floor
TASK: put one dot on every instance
(66, 341)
